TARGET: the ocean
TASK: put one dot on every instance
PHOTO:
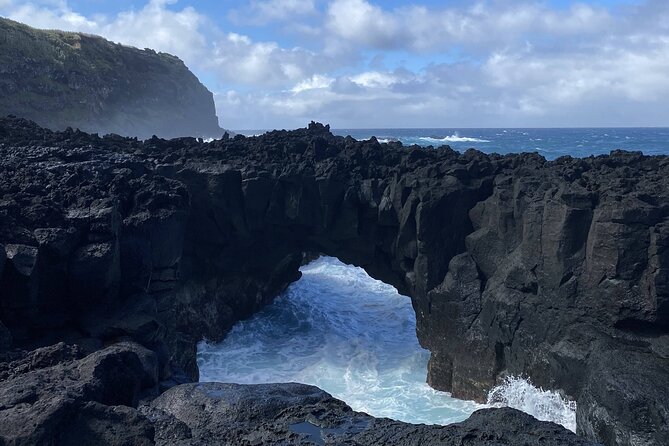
(354, 337)
(551, 143)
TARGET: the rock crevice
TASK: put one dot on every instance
(515, 265)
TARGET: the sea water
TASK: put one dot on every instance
(354, 337)
(550, 143)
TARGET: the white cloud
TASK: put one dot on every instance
(50, 16)
(362, 22)
(374, 79)
(237, 58)
(154, 26)
(262, 12)
(315, 82)
(421, 28)
(488, 63)
(188, 34)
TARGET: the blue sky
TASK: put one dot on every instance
(426, 63)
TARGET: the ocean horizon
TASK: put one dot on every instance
(551, 143)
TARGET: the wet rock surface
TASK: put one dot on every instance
(515, 265)
(283, 414)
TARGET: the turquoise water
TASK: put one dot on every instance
(354, 337)
(341, 330)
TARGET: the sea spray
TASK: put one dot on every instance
(544, 405)
(455, 137)
(341, 330)
(354, 337)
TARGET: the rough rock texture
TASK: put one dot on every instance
(285, 414)
(515, 265)
(53, 396)
(62, 79)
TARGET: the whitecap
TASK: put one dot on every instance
(544, 405)
(354, 337)
(341, 330)
(453, 138)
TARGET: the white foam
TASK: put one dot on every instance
(453, 138)
(354, 337)
(544, 405)
(344, 332)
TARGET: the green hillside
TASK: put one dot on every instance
(62, 79)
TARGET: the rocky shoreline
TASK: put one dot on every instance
(119, 255)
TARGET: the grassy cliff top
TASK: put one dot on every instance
(47, 45)
(65, 79)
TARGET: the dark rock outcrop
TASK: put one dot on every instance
(62, 79)
(282, 414)
(515, 265)
(53, 395)
(56, 396)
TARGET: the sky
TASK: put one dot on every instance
(400, 64)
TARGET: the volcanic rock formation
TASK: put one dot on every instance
(55, 396)
(62, 79)
(515, 265)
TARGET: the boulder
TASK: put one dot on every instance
(53, 396)
(278, 414)
(515, 265)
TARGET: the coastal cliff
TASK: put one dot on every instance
(62, 79)
(515, 265)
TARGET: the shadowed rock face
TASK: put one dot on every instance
(62, 79)
(57, 396)
(515, 265)
(281, 414)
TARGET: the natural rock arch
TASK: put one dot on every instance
(556, 270)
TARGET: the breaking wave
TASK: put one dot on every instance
(453, 138)
(354, 337)
(544, 405)
(341, 330)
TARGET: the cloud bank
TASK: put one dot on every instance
(357, 63)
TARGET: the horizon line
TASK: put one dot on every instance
(457, 128)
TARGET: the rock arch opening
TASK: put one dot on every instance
(514, 264)
(340, 330)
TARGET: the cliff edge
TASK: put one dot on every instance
(62, 79)
(553, 270)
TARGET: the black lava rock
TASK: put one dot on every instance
(515, 265)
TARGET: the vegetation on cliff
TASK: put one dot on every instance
(62, 79)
